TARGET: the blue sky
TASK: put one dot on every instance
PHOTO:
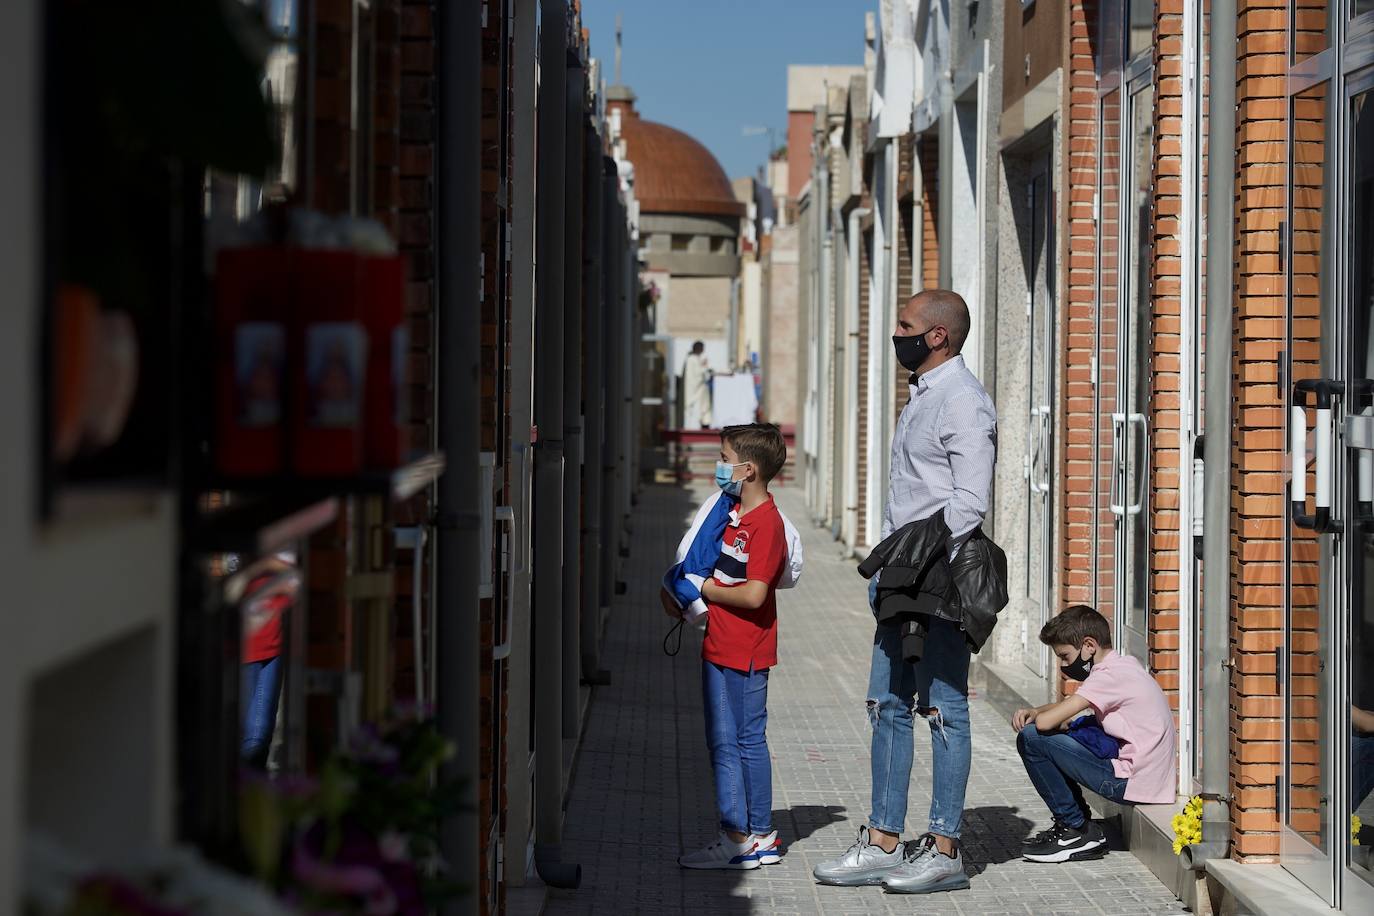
(713, 67)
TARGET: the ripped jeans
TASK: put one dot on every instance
(937, 686)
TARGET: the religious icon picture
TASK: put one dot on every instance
(335, 361)
(259, 351)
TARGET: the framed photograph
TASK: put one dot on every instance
(335, 369)
(259, 358)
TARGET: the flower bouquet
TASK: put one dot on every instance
(364, 837)
(1188, 825)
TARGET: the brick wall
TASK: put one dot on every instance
(1078, 406)
(1257, 569)
(330, 633)
(927, 153)
(495, 308)
(1166, 348)
(906, 248)
(386, 115)
(412, 214)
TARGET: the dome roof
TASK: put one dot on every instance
(673, 172)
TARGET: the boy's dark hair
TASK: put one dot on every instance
(760, 443)
(1073, 625)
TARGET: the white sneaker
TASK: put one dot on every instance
(723, 853)
(768, 849)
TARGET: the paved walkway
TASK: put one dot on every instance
(642, 794)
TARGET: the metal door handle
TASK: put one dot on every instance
(1044, 485)
(1324, 391)
(1134, 508)
(1117, 508)
(1199, 493)
(506, 516)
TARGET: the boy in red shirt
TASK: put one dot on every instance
(740, 647)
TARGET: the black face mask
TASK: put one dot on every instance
(1078, 670)
(911, 351)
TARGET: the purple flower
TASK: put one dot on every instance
(333, 877)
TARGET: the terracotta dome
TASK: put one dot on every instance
(673, 172)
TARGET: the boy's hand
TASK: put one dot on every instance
(669, 605)
(1022, 717)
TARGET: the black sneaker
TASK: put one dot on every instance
(1062, 843)
(1040, 838)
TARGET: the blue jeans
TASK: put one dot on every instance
(1362, 767)
(937, 686)
(1059, 766)
(261, 686)
(736, 704)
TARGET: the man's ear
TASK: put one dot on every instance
(1089, 642)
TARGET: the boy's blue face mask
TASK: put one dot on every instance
(724, 473)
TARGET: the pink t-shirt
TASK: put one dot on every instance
(1133, 709)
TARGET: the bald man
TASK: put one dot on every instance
(943, 452)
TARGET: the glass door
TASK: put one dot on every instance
(1323, 668)
(1302, 668)
(1107, 430)
(1133, 375)
(1355, 718)
(1039, 404)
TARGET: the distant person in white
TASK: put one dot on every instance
(696, 389)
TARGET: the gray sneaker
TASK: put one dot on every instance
(926, 870)
(864, 863)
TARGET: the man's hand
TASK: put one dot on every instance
(669, 605)
(1023, 717)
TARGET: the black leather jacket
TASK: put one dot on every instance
(918, 581)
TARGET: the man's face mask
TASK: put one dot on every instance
(1079, 669)
(912, 351)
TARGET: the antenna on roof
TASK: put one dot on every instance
(617, 49)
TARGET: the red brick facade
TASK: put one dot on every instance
(1257, 520)
(1166, 346)
(1079, 336)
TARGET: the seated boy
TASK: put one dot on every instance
(1130, 707)
(740, 647)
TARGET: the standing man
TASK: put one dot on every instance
(696, 390)
(943, 452)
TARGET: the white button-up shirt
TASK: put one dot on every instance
(943, 452)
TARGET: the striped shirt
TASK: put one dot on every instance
(943, 452)
(754, 548)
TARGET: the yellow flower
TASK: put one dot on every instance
(1355, 826)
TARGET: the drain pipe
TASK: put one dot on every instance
(1195, 857)
(613, 226)
(851, 403)
(572, 394)
(806, 341)
(459, 420)
(593, 396)
(1217, 418)
(824, 417)
(548, 455)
